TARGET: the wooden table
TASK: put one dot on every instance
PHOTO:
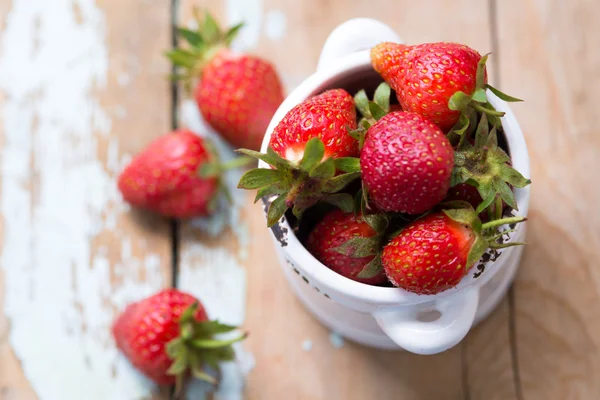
(84, 87)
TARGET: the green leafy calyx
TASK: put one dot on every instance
(486, 166)
(486, 235)
(196, 348)
(371, 110)
(201, 45)
(471, 105)
(300, 185)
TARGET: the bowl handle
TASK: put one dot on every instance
(420, 337)
(354, 35)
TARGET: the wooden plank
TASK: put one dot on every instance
(546, 58)
(83, 88)
(291, 35)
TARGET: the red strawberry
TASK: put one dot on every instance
(164, 177)
(237, 93)
(346, 243)
(426, 76)
(308, 150)
(406, 163)
(435, 252)
(168, 335)
(464, 192)
(327, 116)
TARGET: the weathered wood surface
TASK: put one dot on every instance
(83, 89)
(539, 344)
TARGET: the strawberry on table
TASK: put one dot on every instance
(310, 154)
(434, 253)
(347, 244)
(437, 80)
(237, 94)
(167, 177)
(406, 163)
(168, 336)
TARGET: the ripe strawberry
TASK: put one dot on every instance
(165, 177)
(168, 335)
(426, 76)
(237, 93)
(347, 244)
(308, 147)
(327, 116)
(406, 163)
(434, 253)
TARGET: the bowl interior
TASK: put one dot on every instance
(358, 74)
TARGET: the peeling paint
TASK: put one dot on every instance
(250, 12)
(214, 274)
(56, 198)
(307, 345)
(336, 340)
(275, 25)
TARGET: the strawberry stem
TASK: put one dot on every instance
(503, 221)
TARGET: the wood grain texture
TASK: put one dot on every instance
(548, 56)
(87, 91)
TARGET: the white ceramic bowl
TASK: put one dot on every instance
(384, 317)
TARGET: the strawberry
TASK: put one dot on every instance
(434, 253)
(311, 157)
(406, 163)
(327, 116)
(168, 335)
(436, 80)
(347, 244)
(165, 177)
(238, 93)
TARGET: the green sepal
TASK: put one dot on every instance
(485, 233)
(487, 167)
(324, 170)
(464, 216)
(358, 247)
(501, 95)
(372, 269)
(480, 74)
(193, 38)
(459, 101)
(313, 154)
(382, 97)
(276, 210)
(361, 101)
(339, 182)
(201, 45)
(214, 343)
(300, 185)
(343, 201)
(274, 188)
(486, 202)
(479, 247)
(232, 33)
(479, 96)
(259, 177)
(376, 111)
(347, 164)
(270, 157)
(378, 222)
(372, 111)
(197, 347)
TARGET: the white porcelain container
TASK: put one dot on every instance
(384, 317)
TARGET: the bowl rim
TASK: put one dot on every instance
(337, 284)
